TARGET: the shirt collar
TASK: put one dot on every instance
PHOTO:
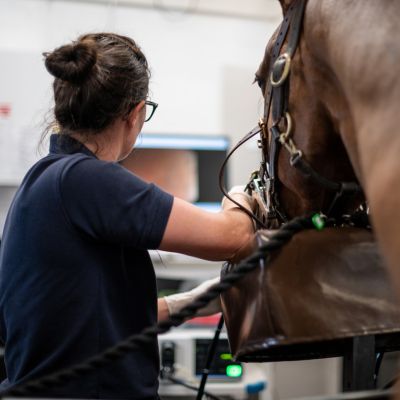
(65, 144)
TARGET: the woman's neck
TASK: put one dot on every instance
(106, 144)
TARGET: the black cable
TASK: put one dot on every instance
(221, 178)
(191, 387)
(279, 239)
(210, 358)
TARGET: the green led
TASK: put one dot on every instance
(225, 356)
(318, 221)
(234, 371)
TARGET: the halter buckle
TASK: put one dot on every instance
(261, 124)
(285, 57)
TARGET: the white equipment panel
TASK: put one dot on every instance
(189, 348)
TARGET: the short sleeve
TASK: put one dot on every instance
(109, 203)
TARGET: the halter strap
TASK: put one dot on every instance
(277, 97)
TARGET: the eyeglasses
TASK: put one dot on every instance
(150, 109)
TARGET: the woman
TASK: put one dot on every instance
(76, 276)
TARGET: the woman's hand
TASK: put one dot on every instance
(174, 303)
(238, 194)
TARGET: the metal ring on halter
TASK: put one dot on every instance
(286, 70)
(288, 131)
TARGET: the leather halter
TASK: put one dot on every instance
(277, 106)
(277, 96)
(264, 183)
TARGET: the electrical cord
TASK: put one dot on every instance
(277, 240)
(210, 358)
(221, 177)
(191, 387)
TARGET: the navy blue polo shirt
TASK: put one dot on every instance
(75, 273)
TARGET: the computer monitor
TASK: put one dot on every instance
(186, 166)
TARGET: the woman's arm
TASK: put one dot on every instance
(174, 303)
(212, 236)
(163, 311)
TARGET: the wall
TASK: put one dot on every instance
(302, 379)
(190, 56)
(202, 72)
(6, 195)
(254, 9)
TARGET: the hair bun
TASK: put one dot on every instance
(73, 62)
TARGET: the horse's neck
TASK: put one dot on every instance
(357, 49)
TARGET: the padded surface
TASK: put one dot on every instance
(320, 288)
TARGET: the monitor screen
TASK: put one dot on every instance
(186, 166)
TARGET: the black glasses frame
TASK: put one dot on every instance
(152, 104)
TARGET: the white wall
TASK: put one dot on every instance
(254, 9)
(203, 67)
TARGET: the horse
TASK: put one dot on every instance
(329, 143)
(344, 99)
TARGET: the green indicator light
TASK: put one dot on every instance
(234, 371)
(225, 356)
(318, 221)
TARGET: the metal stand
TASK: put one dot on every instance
(359, 360)
(359, 364)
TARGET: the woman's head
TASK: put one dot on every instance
(98, 78)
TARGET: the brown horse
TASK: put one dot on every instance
(344, 100)
(329, 120)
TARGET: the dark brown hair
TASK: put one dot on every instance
(98, 78)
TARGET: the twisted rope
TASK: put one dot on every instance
(280, 238)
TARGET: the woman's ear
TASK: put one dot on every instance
(134, 115)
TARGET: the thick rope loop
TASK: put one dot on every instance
(279, 239)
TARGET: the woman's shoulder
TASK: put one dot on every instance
(51, 166)
(91, 173)
(84, 166)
